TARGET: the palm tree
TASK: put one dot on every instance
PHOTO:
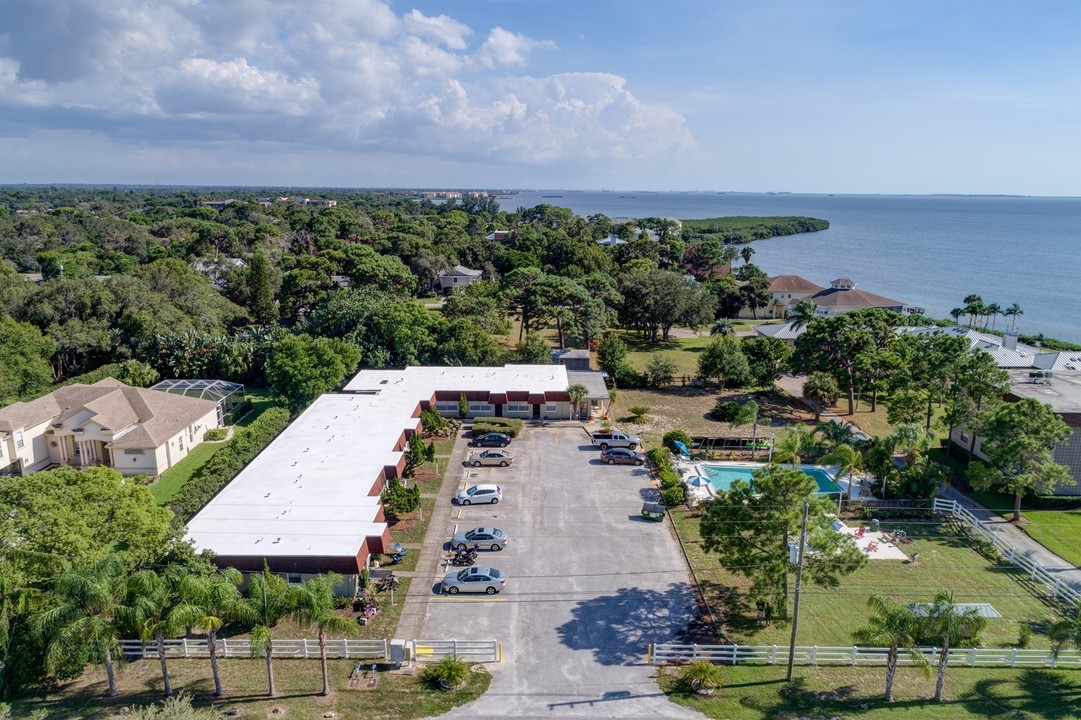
(849, 458)
(612, 395)
(994, 310)
(207, 602)
(578, 393)
(792, 444)
(822, 390)
(270, 598)
(912, 439)
(746, 252)
(1066, 631)
(748, 415)
(1012, 312)
(152, 597)
(724, 326)
(834, 434)
(973, 308)
(896, 626)
(956, 314)
(956, 628)
(803, 313)
(316, 607)
(91, 598)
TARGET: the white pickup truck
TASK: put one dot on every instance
(616, 438)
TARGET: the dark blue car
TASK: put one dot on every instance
(491, 439)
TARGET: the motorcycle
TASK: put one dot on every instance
(464, 557)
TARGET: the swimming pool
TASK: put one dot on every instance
(721, 476)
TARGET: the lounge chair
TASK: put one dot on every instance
(872, 547)
(860, 532)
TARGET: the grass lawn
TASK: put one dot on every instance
(175, 477)
(755, 692)
(686, 408)
(829, 616)
(876, 423)
(299, 682)
(1058, 530)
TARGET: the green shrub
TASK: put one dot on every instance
(725, 411)
(433, 422)
(463, 406)
(673, 436)
(701, 676)
(225, 464)
(399, 500)
(216, 434)
(675, 495)
(507, 426)
(661, 458)
(1024, 634)
(447, 674)
(668, 478)
(640, 413)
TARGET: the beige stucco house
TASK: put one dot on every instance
(785, 292)
(134, 430)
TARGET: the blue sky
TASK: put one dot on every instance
(793, 95)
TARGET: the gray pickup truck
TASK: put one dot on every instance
(616, 438)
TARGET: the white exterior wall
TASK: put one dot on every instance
(35, 450)
(147, 463)
(179, 445)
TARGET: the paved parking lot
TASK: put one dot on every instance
(590, 584)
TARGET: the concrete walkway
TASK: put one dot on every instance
(1015, 536)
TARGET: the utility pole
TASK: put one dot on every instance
(799, 584)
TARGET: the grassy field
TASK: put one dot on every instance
(396, 696)
(760, 693)
(1058, 530)
(175, 477)
(828, 617)
(686, 408)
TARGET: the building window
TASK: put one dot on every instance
(480, 407)
(181, 443)
(19, 440)
(550, 407)
(135, 451)
(294, 579)
(964, 436)
(447, 407)
(2, 449)
(518, 407)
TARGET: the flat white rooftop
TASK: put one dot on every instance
(420, 382)
(307, 493)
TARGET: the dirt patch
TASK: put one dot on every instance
(687, 408)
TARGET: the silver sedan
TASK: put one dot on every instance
(502, 458)
(474, 579)
(480, 538)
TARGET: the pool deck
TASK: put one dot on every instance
(885, 551)
(853, 490)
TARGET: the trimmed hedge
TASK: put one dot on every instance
(217, 434)
(668, 478)
(507, 426)
(675, 495)
(225, 464)
(661, 458)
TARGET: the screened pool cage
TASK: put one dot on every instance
(228, 395)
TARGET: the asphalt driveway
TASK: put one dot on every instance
(590, 584)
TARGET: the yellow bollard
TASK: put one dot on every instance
(649, 654)
(500, 651)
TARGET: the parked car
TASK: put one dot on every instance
(480, 494)
(491, 439)
(480, 538)
(474, 579)
(622, 456)
(502, 458)
(616, 438)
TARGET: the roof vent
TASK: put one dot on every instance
(277, 540)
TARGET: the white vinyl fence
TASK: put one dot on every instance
(1036, 572)
(815, 655)
(423, 650)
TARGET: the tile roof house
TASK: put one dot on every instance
(785, 291)
(135, 430)
(843, 296)
(460, 277)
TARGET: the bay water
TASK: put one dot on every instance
(928, 251)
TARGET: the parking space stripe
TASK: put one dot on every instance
(476, 599)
